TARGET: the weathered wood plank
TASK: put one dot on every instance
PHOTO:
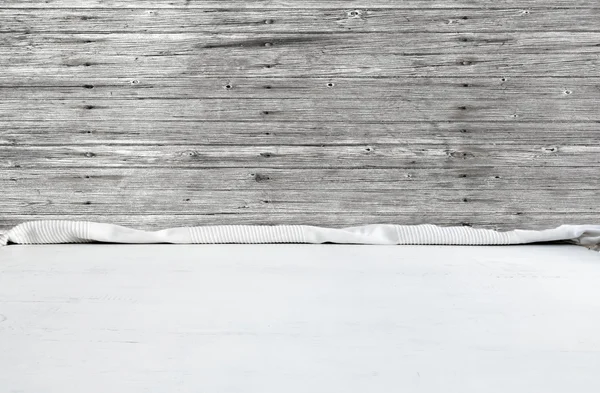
(409, 155)
(352, 54)
(195, 87)
(167, 201)
(143, 20)
(308, 4)
(524, 108)
(491, 220)
(211, 46)
(484, 178)
(134, 132)
(290, 64)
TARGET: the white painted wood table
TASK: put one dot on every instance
(299, 318)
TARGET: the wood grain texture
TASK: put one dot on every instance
(339, 110)
(363, 88)
(481, 178)
(293, 55)
(304, 4)
(404, 155)
(169, 201)
(155, 113)
(299, 132)
(299, 20)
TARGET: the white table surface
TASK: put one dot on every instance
(299, 318)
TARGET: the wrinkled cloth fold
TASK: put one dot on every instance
(64, 231)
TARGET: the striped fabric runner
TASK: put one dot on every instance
(62, 231)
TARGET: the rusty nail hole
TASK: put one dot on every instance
(330, 84)
(88, 132)
(354, 13)
(466, 224)
(465, 200)
(463, 175)
(265, 112)
(228, 86)
(463, 39)
(268, 66)
(265, 201)
(187, 199)
(89, 107)
(464, 131)
(89, 154)
(503, 79)
(369, 149)
(496, 177)
(267, 133)
(267, 87)
(568, 92)
(519, 213)
(87, 64)
(465, 85)
(88, 202)
(135, 82)
(462, 108)
(88, 86)
(87, 177)
(464, 18)
(265, 155)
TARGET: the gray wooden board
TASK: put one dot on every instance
(164, 113)
(294, 132)
(411, 155)
(306, 20)
(141, 55)
(300, 4)
(555, 90)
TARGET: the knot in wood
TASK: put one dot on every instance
(258, 177)
(550, 149)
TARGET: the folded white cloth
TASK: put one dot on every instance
(63, 231)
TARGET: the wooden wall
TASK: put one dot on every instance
(157, 113)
